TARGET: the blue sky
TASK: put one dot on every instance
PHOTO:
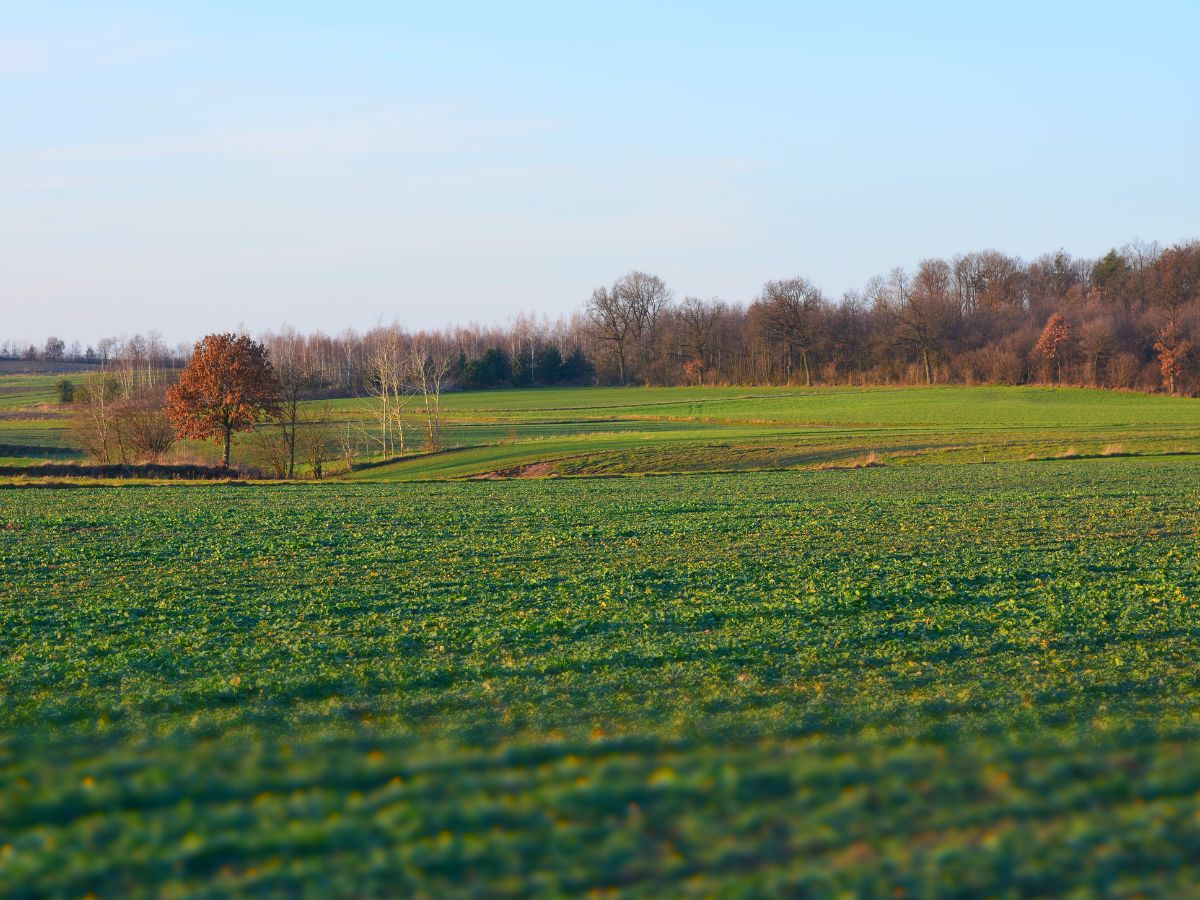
(192, 167)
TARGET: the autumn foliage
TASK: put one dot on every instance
(1172, 350)
(227, 386)
(1053, 342)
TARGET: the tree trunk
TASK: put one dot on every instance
(807, 374)
(621, 363)
(228, 433)
(928, 367)
(291, 436)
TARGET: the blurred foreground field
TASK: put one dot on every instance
(934, 680)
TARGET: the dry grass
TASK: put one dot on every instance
(1069, 453)
(1113, 450)
(869, 461)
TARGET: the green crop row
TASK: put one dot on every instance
(926, 680)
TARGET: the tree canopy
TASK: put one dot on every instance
(228, 385)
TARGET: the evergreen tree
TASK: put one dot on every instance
(548, 365)
(578, 369)
(522, 376)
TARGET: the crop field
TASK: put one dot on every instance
(623, 431)
(668, 430)
(32, 423)
(966, 668)
(938, 679)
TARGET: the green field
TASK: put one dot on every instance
(32, 422)
(959, 673)
(621, 431)
(669, 430)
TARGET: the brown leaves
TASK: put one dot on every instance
(1055, 336)
(228, 385)
(1172, 349)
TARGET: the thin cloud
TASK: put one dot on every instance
(72, 52)
(423, 130)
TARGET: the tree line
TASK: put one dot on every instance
(1130, 319)
(1127, 320)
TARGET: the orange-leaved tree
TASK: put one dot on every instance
(228, 385)
(1052, 344)
(1172, 350)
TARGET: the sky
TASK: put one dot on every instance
(195, 167)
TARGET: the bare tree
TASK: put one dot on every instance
(144, 428)
(919, 309)
(270, 451)
(55, 348)
(1096, 340)
(111, 428)
(613, 323)
(429, 367)
(1132, 284)
(96, 426)
(698, 319)
(385, 384)
(316, 435)
(348, 445)
(790, 316)
(295, 385)
(626, 313)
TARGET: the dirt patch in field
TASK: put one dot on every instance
(532, 470)
(870, 461)
(30, 415)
